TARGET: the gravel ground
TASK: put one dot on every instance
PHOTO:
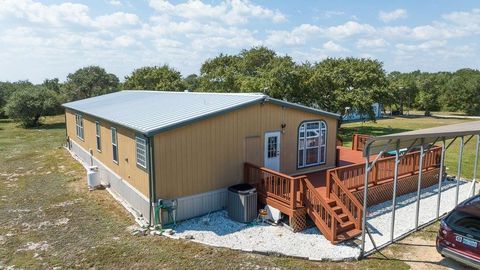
(379, 216)
(218, 230)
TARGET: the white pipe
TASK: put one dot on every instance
(459, 169)
(419, 185)
(394, 197)
(440, 178)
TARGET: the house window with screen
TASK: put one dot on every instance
(141, 145)
(97, 135)
(311, 143)
(114, 145)
(79, 125)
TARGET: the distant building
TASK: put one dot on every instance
(353, 115)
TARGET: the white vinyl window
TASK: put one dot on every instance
(98, 137)
(79, 125)
(311, 143)
(141, 146)
(114, 145)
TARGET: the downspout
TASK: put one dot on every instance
(152, 189)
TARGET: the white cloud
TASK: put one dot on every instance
(327, 14)
(333, 47)
(298, 36)
(62, 14)
(115, 2)
(231, 12)
(392, 16)
(116, 19)
(124, 41)
(348, 29)
(371, 43)
(37, 12)
(425, 46)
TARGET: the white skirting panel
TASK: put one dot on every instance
(136, 200)
(201, 204)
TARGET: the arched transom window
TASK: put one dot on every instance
(312, 137)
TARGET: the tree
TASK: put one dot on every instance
(340, 84)
(29, 104)
(462, 92)
(52, 84)
(163, 78)
(258, 69)
(6, 90)
(220, 74)
(89, 82)
(191, 82)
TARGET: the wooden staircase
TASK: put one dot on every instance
(332, 217)
(346, 228)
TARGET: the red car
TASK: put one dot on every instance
(459, 234)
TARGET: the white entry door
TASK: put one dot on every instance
(272, 150)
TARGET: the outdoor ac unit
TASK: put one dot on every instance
(242, 203)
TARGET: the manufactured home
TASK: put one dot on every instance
(152, 147)
(190, 146)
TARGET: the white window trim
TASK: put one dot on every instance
(144, 142)
(98, 136)
(322, 127)
(115, 144)
(79, 130)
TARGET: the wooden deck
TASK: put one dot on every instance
(333, 198)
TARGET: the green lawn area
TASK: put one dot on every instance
(49, 219)
(401, 124)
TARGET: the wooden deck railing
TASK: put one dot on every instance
(281, 187)
(359, 141)
(353, 176)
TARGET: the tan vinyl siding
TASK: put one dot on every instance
(126, 167)
(209, 154)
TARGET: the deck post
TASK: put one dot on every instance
(365, 195)
(293, 192)
(394, 197)
(475, 167)
(440, 178)
(459, 169)
(419, 185)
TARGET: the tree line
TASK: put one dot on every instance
(334, 84)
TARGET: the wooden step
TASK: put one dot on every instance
(343, 217)
(347, 235)
(349, 225)
(337, 209)
(331, 202)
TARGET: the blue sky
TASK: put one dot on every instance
(47, 39)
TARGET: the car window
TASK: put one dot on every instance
(464, 222)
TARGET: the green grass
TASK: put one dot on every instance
(41, 186)
(401, 124)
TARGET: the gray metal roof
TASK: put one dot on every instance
(415, 137)
(151, 112)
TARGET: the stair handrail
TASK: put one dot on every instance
(351, 197)
(335, 219)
